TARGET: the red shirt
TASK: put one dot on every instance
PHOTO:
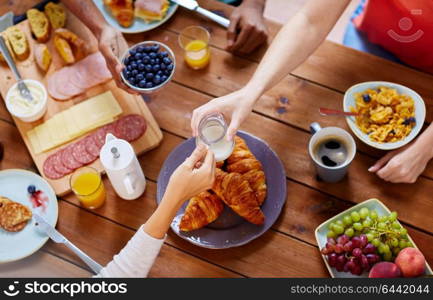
(403, 27)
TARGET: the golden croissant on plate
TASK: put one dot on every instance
(202, 210)
(236, 192)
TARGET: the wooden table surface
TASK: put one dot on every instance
(281, 118)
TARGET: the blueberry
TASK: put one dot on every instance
(142, 84)
(148, 68)
(160, 73)
(139, 77)
(140, 49)
(163, 78)
(138, 61)
(156, 68)
(408, 121)
(132, 52)
(156, 79)
(134, 65)
(134, 72)
(149, 75)
(31, 189)
(155, 48)
(129, 67)
(126, 73)
(170, 67)
(152, 61)
(126, 61)
(163, 66)
(138, 55)
(152, 55)
(149, 85)
(163, 54)
(146, 59)
(141, 67)
(166, 60)
(167, 72)
(147, 49)
(131, 80)
(366, 98)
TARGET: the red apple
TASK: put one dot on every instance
(385, 270)
(411, 262)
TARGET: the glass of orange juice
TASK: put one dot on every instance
(87, 185)
(194, 40)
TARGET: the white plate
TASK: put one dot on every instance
(138, 25)
(349, 100)
(13, 185)
(322, 230)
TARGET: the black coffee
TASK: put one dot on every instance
(331, 151)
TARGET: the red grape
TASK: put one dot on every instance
(369, 248)
(343, 239)
(338, 248)
(331, 241)
(357, 252)
(372, 258)
(332, 259)
(364, 262)
(364, 240)
(356, 241)
(348, 247)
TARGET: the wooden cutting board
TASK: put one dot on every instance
(29, 70)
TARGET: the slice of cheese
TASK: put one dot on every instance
(74, 122)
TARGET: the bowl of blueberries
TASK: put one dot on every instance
(148, 65)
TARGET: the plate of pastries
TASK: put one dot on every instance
(22, 194)
(134, 16)
(246, 199)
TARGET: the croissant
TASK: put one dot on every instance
(257, 181)
(242, 159)
(201, 210)
(238, 195)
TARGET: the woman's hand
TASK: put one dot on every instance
(195, 175)
(247, 28)
(113, 45)
(235, 107)
(403, 165)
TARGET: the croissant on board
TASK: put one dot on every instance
(202, 210)
(236, 192)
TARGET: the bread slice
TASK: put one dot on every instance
(79, 48)
(64, 49)
(151, 10)
(56, 14)
(122, 10)
(39, 25)
(42, 56)
(18, 41)
(8, 45)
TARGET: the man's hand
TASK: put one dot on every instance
(113, 45)
(247, 28)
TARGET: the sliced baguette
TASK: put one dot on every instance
(42, 56)
(64, 49)
(79, 48)
(8, 45)
(39, 25)
(56, 14)
(18, 41)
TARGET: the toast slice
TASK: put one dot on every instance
(56, 15)
(42, 56)
(18, 41)
(39, 25)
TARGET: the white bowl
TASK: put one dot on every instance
(39, 110)
(420, 111)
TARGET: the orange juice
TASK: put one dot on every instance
(197, 54)
(89, 188)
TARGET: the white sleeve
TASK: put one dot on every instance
(135, 259)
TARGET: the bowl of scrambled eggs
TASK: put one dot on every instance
(389, 115)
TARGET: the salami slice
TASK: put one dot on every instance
(67, 158)
(80, 153)
(100, 134)
(48, 167)
(91, 146)
(59, 166)
(130, 127)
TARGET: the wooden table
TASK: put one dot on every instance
(281, 118)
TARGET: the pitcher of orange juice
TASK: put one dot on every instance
(195, 42)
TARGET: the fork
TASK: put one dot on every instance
(22, 87)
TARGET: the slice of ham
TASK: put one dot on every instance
(153, 6)
(73, 80)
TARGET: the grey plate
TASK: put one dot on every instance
(230, 230)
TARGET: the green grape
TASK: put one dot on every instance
(387, 256)
(373, 215)
(394, 242)
(403, 231)
(386, 249)
(396, 251)
(366, 223)
(338, 229)
(402, 244)
(396, 225)
(339, 223)
(376, 242)
(349, 232)
(381, 225)
(393, 216)
(357, 226)
(331, 226)
(355, 216)
(409, 244)
(331, 234)
(381, 248)
(363, 213)
(370, 236)
(347, 220)
(383, 219)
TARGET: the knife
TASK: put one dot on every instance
(58, 238)
(40, 6)
(193, 5)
